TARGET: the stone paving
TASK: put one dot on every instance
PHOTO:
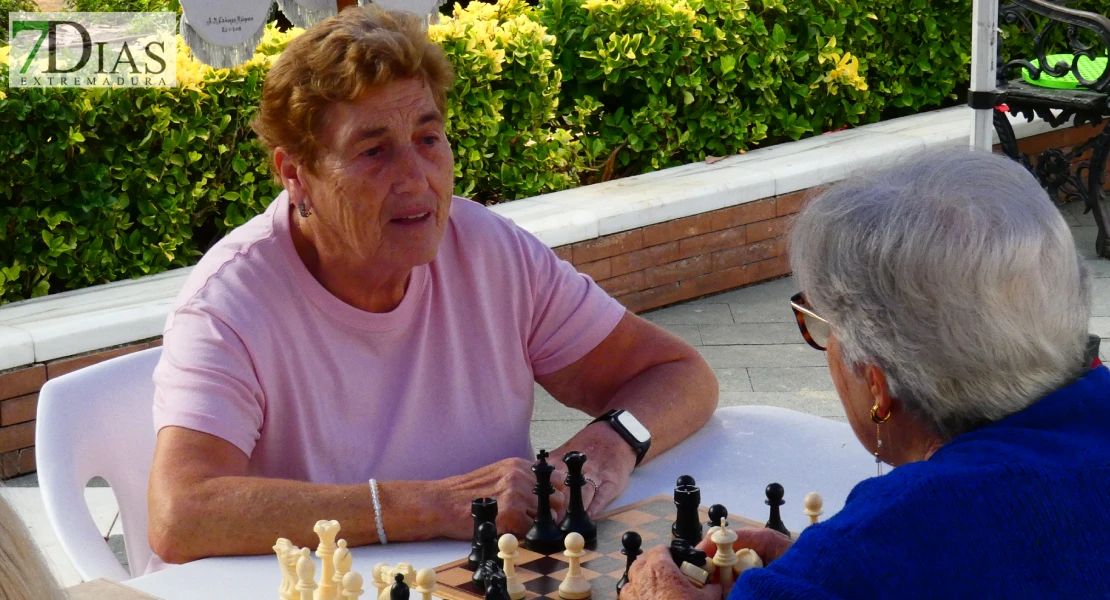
(748, 335)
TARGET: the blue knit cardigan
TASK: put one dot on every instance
(1016, 509)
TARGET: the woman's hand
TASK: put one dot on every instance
(509, 481)
(654, 576)
(767, 543)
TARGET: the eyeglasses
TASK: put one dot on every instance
(815, 330)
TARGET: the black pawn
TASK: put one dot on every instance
(577, 519)
(717, 514)
(483, 510)
(399, 590)
(486, 533)
(544, 536)
(631, 542)
(774, 500)
(687, 501)
(685, 480)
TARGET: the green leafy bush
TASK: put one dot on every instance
(121, 5)
(100, 185)
(10, 6)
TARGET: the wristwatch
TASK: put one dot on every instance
(630, 429)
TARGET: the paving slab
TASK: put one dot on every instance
(750, 334)
(690, 332)
(733, 380)
(791, 379)
(552, 434)
(692, 313)
(781, 355)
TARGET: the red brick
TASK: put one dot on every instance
(648, 257)
(26, 461)
(69, 365)
(656, 297)
(610, 245)
(625, 284)
(742, 255)
(597, 270)
(18, 410)
(712, 242)
(678, 229)
(565, 252)
(792, 203)
(17, 462)
(743, 214)
(764, 230)
(770, 269)
(677, 271)
(21, 382)
(16, 437)
(718, 281)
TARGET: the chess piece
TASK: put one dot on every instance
(483, 510)
(746, 558)
(496, 586)
(685, 552)
(630, 542)
(378, 575)
(306, 574)
(725, 558)
(284, 549)
(577, 519)
(486, 533)
(717, 513)
(406, 572)
(326, 532)
(342, 561)
(695, 574)
(574, 585)
(544, 536)
(687, 500)
(774, 500)
(508, 546)
(400, 589)
(685, 480)
(425, 583)
(351, 586)
(814, 503)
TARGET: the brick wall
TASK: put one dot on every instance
(19, 394)
(644, 268)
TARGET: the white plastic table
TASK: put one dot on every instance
(733, 458)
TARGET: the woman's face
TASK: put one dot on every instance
(855, 394)
(384, 179)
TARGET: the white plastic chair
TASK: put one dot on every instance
(98, 421)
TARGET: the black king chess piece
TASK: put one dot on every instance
(577, 519)
(687, 501)
(486, 533)
(544, 536)
(774, 500)
(483, 510)
(630, 542)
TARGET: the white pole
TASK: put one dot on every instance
(984, 57)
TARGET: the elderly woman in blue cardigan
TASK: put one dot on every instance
(948, 297)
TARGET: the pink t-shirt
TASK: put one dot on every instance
(258, 353)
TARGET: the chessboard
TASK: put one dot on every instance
(603, 565)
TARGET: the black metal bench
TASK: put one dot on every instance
(1061, 173)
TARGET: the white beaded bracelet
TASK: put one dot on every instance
(378, 512)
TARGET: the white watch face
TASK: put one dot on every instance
(634, 427)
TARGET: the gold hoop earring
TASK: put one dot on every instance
(301, 208)
(878, 436)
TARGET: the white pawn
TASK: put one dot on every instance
(725, 558)
(508, 545)
(352, 586)
(306, 574)
(814, 503)
(378, 575)
(574, 585)
(407, 572)
(342, 560)
(425, 583)
(326, 531)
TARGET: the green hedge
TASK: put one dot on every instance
(101, 185)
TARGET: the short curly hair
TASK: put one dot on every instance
(338, 60)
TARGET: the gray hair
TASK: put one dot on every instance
(954, 274)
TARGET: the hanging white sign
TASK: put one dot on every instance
(306, 13)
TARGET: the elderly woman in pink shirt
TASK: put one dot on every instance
(371, 326)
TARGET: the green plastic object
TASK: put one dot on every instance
(1089, 69)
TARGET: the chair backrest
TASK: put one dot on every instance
(98, 421)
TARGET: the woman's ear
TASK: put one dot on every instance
(879, 390)
(290, 172)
